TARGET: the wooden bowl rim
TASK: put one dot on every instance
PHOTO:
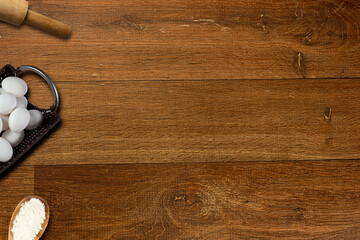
(17, 209)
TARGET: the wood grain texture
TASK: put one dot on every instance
(274, 200)
(202, 83)
(171, 39)
(14, 186)
(202, 121)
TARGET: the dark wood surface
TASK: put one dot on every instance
(251, 200)
(193, 39)
(195, 120)
(205, 121)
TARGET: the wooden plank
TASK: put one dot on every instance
(14, 186)
(192, 39)
(202, 121)
(267, 200)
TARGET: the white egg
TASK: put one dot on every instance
(7, 103)
(2, 91)
(21, 102)
(15, 85)
(6, 151)
(36, 119)
(1, 125)
(14, 138)
(19, 119)
(5, 122)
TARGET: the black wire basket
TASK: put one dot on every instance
(51, 117)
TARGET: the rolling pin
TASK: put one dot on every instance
(17, 11)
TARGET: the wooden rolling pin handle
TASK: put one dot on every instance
(47, 24)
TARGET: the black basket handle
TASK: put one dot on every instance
(41, 73)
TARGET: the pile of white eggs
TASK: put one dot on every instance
(14, 115)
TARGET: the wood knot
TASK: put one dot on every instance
(322, 26)
(299, 64)
(129, 22)
(328, 141)
(189, 204)
(299, 212)
(302, 214)
(262, 23)
(327, 113)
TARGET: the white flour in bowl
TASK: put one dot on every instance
(28, 222)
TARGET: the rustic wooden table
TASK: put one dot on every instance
(190, 119)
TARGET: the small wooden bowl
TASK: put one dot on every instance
(17, 209)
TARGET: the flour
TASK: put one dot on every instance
(28, 222)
